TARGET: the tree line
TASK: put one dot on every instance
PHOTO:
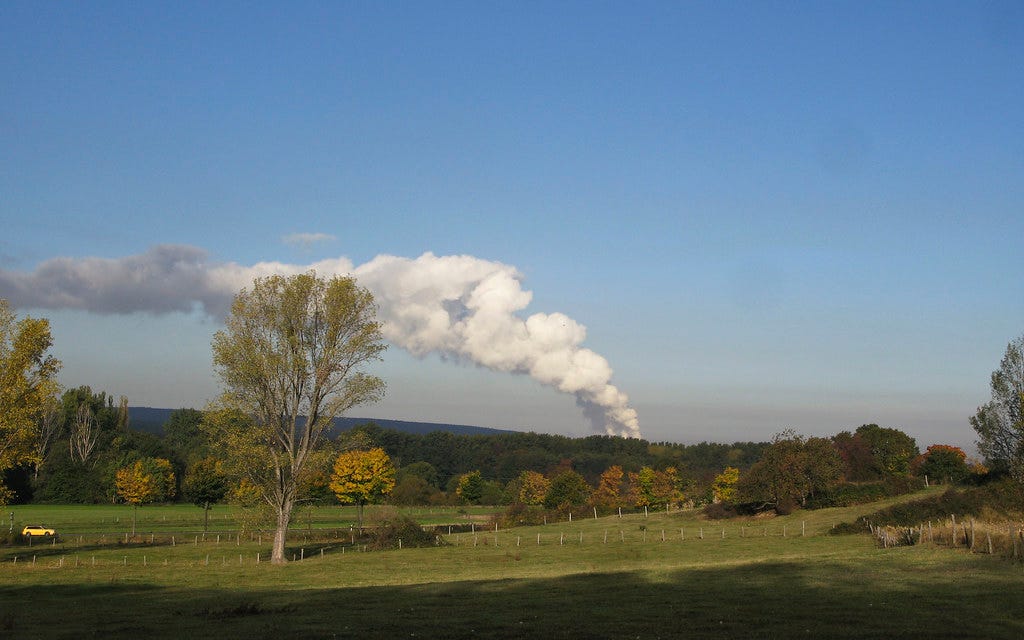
(292, 357)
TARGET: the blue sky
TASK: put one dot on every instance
(767, 215)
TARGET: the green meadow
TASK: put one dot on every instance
(661, 576)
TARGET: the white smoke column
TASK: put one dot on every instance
(465, 308)
(460, 307)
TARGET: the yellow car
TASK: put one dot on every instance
(33, 530)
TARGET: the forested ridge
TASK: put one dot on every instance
(500, 456)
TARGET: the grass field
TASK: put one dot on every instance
(592, 578)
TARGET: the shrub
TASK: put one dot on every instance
(720, 511)
(1000, 499)
(786, 506)
(520, 515)
(850, 493)
(389, 528)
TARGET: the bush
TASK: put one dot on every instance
(786, 506)
(1003, 499)
(850, 493)
(389, 528)
(720, 511)
(521, 515)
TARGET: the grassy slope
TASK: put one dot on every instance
(751, 586)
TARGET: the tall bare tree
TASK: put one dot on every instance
(84, 434)
(122, 414)
(291, 359)
(50, 425)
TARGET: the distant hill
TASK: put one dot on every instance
(152, 420)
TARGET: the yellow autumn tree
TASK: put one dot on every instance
(533, 487)
(148, 480)
(27, 385)
(650, 488)
(723, 489)
(362, 476)
(609, 488)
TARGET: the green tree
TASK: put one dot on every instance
(470, 487)
(147, 480)
(892, 450)
(362, 477)
(999, 423)
(415, 483)
(27, 384)
(205, 483)
(291, 359)
(422, 470)
(943, 463)
(568, 489)
(641, 486)
(184, 435)
(791, 469)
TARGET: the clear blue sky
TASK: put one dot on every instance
(767, 215)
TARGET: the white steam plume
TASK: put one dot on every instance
(460, 307)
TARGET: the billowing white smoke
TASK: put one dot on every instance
(461, 307)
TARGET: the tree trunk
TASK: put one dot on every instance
(206, 517)
(135, 510)
(284, 516)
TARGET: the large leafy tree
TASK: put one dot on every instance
(290, 360)
(943, 463)
(791, 470)
(533, 487)
(609, 488)
(649, 487)
(892, 449)
(27, 385)
(999, 423)
(362, 477)
(470, 487)
(723, 488)
(859, 463)
(568, 489)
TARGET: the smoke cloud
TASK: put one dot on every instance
(461, 307)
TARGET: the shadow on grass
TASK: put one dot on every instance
(767, 600)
